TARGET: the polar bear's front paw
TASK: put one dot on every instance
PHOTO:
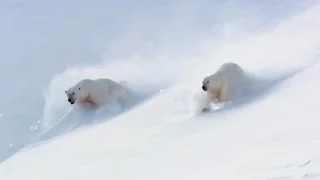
(205, 110)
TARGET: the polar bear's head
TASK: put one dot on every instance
(212, 84)
(79, 92)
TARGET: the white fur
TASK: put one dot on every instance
(224, 85)
(97, 93)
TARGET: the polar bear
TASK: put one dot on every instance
(224, 85)
(97, 93)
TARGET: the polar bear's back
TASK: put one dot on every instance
(231, 72)
(231, 69)
(108, 85)
(105, 83)
(111, 88)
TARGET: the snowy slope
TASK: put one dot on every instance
(275, 137)
(272, 134)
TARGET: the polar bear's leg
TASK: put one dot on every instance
(201, 102)
(224, 93)
(206, 109)
(205, 104)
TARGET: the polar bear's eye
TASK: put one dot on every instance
(66, 92)
(79, 88)
(207, 82)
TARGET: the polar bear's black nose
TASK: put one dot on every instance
(204, 88)
(71, 101)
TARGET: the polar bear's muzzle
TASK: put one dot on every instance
(71, 100)
(204, 88)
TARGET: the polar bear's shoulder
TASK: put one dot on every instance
(85, 81)
(230, 70)
(103, 80)
(230, 67)
(110, 82)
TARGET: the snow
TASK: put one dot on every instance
(271, 134)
